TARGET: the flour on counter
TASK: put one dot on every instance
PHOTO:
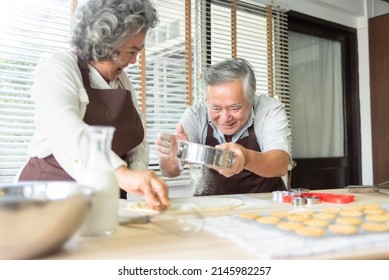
(202, 203)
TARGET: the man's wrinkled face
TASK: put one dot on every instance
(227, 106)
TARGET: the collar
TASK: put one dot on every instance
(238, 135)
(97, 81)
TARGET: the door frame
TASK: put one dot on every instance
(351, 164)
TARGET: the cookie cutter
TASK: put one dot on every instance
(299, 191)
(321, 197)
(312, 200)
(279, 195)
(298, 200)
(332, 198)
(288, 198)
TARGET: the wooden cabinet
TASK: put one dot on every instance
(379, 88)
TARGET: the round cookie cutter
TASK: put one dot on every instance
(298, 201)
(312, 200)
(299, 191)
(279, 195)
(332, 198)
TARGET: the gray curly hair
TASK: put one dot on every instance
(230, 70)
(100, 27)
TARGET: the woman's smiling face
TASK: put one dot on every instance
(227, 106)
(128, 54)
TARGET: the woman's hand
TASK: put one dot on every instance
(145, 183)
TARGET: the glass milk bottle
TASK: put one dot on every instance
(102, 217)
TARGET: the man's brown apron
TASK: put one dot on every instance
(213, 183)
(109, 107)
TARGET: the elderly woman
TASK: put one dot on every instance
(87, 86)
(233, 117)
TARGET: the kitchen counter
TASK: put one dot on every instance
(148, 241)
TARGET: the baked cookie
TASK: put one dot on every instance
(298, 218)
(331, 210)
(377, 218)
(351, 213)
(351, 221)
(353, 208)
(343, 229)
(310, 231)
(374, 211)
(280, 214)
(324, 216)
(317, 223)
(268, 220)
(290, 226)
(304, 213)
(371, 206)
(249, 216)
(376, 227)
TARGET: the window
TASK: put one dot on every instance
(29, 30)
(191, 35)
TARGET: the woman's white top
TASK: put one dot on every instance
(60, 104)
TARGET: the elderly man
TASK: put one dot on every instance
(254, 127)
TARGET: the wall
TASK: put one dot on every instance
(355, 14)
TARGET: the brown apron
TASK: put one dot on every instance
(109, 107)
(213, 183)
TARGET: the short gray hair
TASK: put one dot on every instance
(230, 70)
(100, 27)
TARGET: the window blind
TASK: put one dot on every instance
(214, 30)
(191, 35)
(165, 89)
(260, 36)
(29, 30)
(256, 32)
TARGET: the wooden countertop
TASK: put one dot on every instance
(148, 241)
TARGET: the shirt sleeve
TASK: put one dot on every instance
(194, 122)
(272, 125)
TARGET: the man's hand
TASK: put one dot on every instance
(272, 163)
(166, 146)
(167, 149)
(239, 159)
(180, 133)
